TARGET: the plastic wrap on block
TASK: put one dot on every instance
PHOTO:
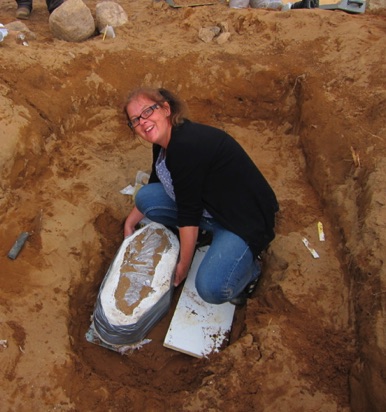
(137, 289)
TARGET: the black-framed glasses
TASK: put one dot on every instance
(134, 122)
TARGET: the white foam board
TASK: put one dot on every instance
(198, 328)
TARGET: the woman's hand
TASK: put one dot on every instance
(132, 220)
(181, 273)
(188, 239)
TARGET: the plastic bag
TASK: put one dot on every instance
(3, 32)
(140, 180)
(238, 4)
(266, 4)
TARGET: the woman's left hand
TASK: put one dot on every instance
(181, 273)
(134, 217)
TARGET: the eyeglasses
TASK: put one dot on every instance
(134, 122)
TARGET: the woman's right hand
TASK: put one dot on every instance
(132, 220)
(128, 230)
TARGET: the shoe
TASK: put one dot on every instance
(23, 13)
(241, 299)
(286, 7)
(306, 4)
(204, 238)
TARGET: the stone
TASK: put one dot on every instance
(17, 27)
(109, 13)
(207, 34)
(72, 21)
(376, 4)
(224, 26)
(223, 38)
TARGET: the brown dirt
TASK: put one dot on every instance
(304, 93)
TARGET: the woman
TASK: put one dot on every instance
(202, 179)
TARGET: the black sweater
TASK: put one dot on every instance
(210, 170)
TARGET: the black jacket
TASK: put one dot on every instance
(210, 170)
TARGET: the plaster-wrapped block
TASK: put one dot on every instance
(137, 289)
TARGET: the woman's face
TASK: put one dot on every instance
(157, 127)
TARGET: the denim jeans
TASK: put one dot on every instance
(51, 4)
(227, 267)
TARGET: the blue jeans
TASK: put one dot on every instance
(227, 267)
(51, 4)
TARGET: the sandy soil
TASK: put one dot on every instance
(304, 92)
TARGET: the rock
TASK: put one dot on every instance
(19, 27)
(223, 38)
(224, 26)
(207, 34)
(72, 21)
(220, 33)
(109, 13)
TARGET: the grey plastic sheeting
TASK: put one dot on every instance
(130, 334)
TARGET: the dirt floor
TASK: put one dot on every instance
(304, 92)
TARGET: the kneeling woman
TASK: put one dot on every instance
(202, 179)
